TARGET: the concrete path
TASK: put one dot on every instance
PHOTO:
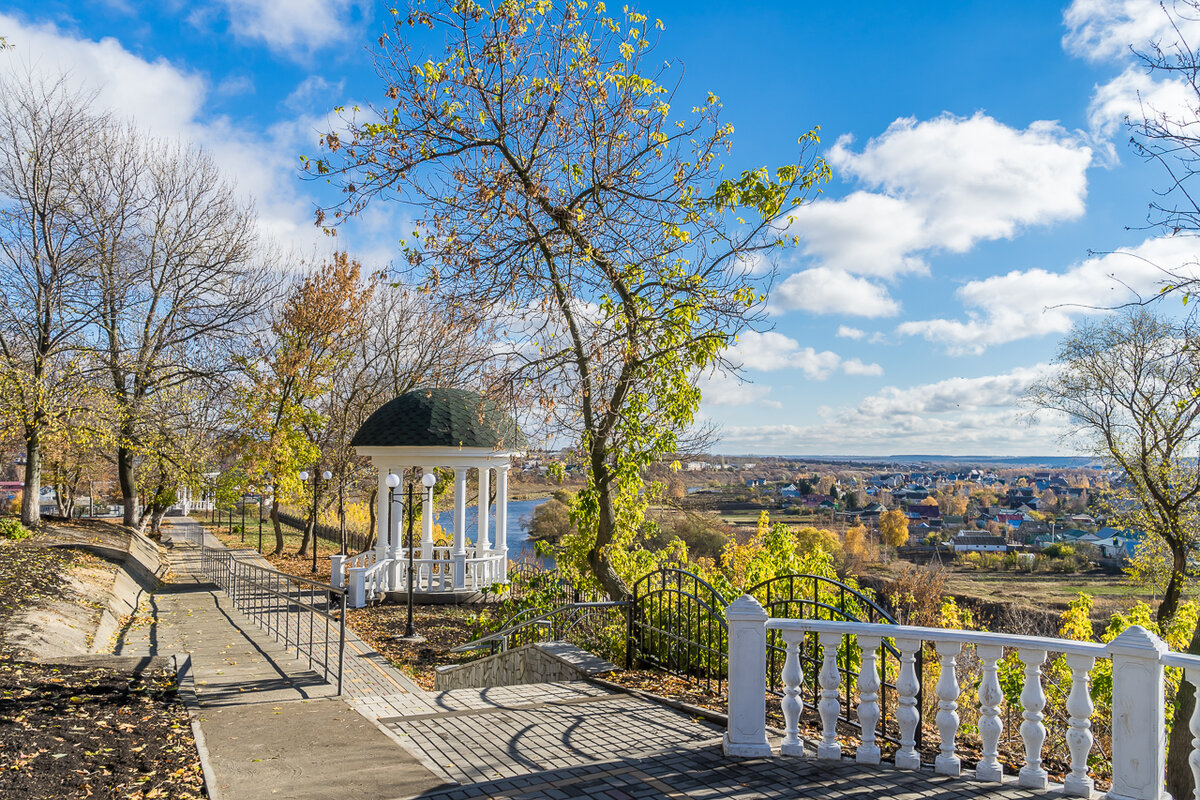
(269, 724)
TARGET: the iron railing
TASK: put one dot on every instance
(677, 624)
(296, 611)
(571, 622)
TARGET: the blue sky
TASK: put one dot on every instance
(978, 154)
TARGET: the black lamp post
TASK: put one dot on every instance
(427, 480)
(326, 475)
(243, 517)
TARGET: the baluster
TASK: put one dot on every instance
(830, 679)
(991, 725)
(793, 702)
(1033, 732)
(908, 716)
(947, 715)
(868, 700)
(1193, 677)
(1079, 734)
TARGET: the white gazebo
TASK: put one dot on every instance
(422, 430)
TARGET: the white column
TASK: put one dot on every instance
(481, 540)
(502, 521)
(460, 527)
(1138, 719)
(381, 509)
(746, 731)
(426, 519)
(392, 579)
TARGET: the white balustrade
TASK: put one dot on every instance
(990, 723)
(829, 706)
(946, 762)
(1192, 674)
(1138, 725)
(868, 700)
(792, 703)
(908, 716)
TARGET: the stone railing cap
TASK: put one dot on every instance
(746, 609)
(1137, 641)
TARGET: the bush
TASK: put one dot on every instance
(13, 529)
(1058, 550)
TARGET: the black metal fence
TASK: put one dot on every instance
(676, 623)
(818, 597)
(306, 615)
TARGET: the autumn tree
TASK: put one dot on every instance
(45, 294)
(893, 528)
(1128, 384)
(274, 409)
(558, 186)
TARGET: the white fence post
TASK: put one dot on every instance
(746, 734)
(337, 574)
(358, 587)
(1138, 716)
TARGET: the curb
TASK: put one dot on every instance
(187, 692)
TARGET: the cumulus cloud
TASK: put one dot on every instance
(1114, 31)
(293, 28)
(824, 290)
(171, 102)
(1035, 302)
(959, 416)
(846, 332)
(939, 185)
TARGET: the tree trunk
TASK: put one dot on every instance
(1179, 744)
(275, 522)
(597, 557)
(127, 478)
(31, 497)
(1174, 590)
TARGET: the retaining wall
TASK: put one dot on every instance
(544, 662)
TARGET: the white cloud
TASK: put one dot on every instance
(973, 179)
(314, 95)
(719, 388)
(1103, 30)
(941, 185)
(170, 102)
(291, 27)
(855, 366)
(959, 416)
(846, 332)
(824, 290)
(766, 352)
(1036, 302)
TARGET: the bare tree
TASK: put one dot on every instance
(173, 254)
(45, 294)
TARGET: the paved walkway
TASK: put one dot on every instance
(273, 731)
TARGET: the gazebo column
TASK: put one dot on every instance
(382, 535)
(394, 533)
(502, 521)
(482, 545)
(460, 527)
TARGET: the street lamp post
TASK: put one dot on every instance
(243, 517)
(427, 480)
(326, 475)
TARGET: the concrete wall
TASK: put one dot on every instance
(544, 662)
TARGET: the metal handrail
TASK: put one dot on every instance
(255, 590)
(503, 634)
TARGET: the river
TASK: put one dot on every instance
(520, 512)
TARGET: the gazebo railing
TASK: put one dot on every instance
(368, 577)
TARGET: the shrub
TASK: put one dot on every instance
(13, 529)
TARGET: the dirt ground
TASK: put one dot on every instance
(69, 731)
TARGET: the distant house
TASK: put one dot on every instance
(789, 491)
(924, 512)
(753, 482)
(978, 543)
(872, 511)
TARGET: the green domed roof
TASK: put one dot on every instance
(439, 418)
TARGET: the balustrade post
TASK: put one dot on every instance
(746, 731)
(830, 681)
(1193, 677)
(792, 703)
(991, 725)
(1079, 732)
(1138, 717)
(947, 763)
(1033, 732)
(868, 700)
(358, 587)
(908, 716)
(337, 573)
